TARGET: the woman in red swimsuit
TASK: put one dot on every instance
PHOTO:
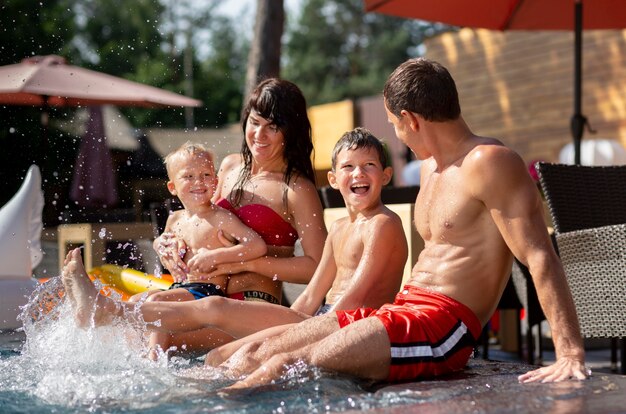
(270, 187)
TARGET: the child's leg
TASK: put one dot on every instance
(159, 342)
(143, 295)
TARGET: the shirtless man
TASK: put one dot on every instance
(477, 207)
(349, 273)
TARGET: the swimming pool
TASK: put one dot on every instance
(55, 367)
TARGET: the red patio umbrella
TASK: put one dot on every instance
(520, 15)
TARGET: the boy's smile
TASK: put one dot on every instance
(359, 176)
(194, 180)
(360, 188)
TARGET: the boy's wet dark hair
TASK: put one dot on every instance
(360, 138)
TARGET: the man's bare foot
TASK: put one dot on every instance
(242, 362)
(81, 292)
(272, 370)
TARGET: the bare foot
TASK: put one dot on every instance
(272, 370)
(83, 296)
(242, 362)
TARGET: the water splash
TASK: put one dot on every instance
(60, 364)
(65, 369)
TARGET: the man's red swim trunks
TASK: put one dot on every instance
(430, 334)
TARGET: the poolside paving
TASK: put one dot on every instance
(492, 387)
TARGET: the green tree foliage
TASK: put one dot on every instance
(337, 51)
(140, 40)
(116, 36)
(223, 71)
(27, 29)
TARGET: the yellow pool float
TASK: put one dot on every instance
(127, 282)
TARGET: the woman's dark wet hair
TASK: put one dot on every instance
(282, 103)
(360, 138)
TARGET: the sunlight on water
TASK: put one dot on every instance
(67, 369)
(63, 365)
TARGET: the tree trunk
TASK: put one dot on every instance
(264, 57)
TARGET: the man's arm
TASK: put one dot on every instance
(513, 200)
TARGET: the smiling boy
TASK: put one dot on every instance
(201, 224)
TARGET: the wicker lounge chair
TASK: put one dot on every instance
(588, 209)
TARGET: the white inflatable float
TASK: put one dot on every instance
(20, 248)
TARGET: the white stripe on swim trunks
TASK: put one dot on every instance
(425, 350)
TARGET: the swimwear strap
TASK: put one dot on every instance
(254, 295)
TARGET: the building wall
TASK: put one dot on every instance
(518, 86)
(371, 115)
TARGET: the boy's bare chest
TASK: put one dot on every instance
(348, 245)
(198, 233)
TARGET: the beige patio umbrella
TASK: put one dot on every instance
(48, 81)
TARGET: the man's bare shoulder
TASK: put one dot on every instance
(490, 156)
(489, 150)
(493, 167)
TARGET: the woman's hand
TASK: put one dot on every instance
(205, 261)
(230, 269)
(171, 251)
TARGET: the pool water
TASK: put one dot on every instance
(52, 366)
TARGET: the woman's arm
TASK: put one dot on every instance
(308, 220)
(249, 245)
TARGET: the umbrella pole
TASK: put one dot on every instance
(45, 120)
(578, 119)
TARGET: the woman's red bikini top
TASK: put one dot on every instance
(266, 222)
